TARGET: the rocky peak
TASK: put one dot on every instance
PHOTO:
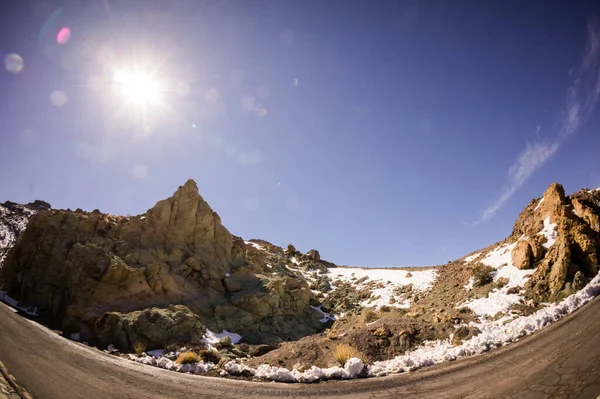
(76, 267)
(573, 221)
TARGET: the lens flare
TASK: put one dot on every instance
(63, 35)
(13, 63)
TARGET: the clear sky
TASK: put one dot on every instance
(382, 133)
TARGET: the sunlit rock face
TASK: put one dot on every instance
(77, 266)
(562, 235)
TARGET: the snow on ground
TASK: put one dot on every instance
(469, 285)
(498, 300)
(539, 203)
(499, 256)
(166, 363)
(295, 261)
(390, 278)
(472, 257)
(212, 338)
(549, 231)
(326, 316)
(352, 369)
(493, 334)
(257, 246)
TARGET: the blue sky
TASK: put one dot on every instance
(381, 133)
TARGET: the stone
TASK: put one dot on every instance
(259, 350)
(313, 255)
(522, 255)
(152, 327)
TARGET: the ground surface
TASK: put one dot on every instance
(562, 361)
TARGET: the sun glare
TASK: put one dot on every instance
(137, 86)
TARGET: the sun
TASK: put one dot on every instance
(137, 87)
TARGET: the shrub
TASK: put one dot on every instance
(187, 357)
(370, 316)
(385, 308)
(345, 352)
(482, 275)
(139, 348)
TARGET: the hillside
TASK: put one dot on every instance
(174, 279)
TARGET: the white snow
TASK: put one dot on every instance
(212, 338)
(326, 316)
(549, 231)
(257, 246)
(469, 285)
(421, 280)
(493, 334)
(499, 256)
(539, 203)
(165, 363)
(472, 257)
(8, 300)
(515, 276)
(156, 352)
(295, 261)
(497, 301)
(352, 369)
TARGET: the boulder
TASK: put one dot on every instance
(314, 255)
(152, 327)
(522, 255)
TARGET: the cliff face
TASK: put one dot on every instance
(77, 266)
(559, 235)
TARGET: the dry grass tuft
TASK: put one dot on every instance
(345, 352)
(187, 357)
(139, 348)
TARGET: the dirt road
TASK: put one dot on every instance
(562, 361)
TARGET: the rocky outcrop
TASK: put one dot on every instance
(151, 328)
(78, 267)
(13, 220)
(572, 222)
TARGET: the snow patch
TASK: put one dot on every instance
(257, 246)
(212, 338)
(471, 258)
(493, 334)
(353, 368)
(549, 231)
(538, 205)
(326, 316)
(496, 301)
(391, 279)
(499, 256)
(469, 285)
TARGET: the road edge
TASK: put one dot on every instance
(10, 379)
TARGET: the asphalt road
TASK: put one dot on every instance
(562, 361)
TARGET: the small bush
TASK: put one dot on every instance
(370, 316)
(187, 357)
(385, 308)
(139, 348)
(482, 275)
(345, 352)
(209, 356)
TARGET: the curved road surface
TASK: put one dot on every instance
(562, 361)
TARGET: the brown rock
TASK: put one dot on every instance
(314, 255)
(522, 255)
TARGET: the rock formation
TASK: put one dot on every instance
(78, 268)
(574, 219)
